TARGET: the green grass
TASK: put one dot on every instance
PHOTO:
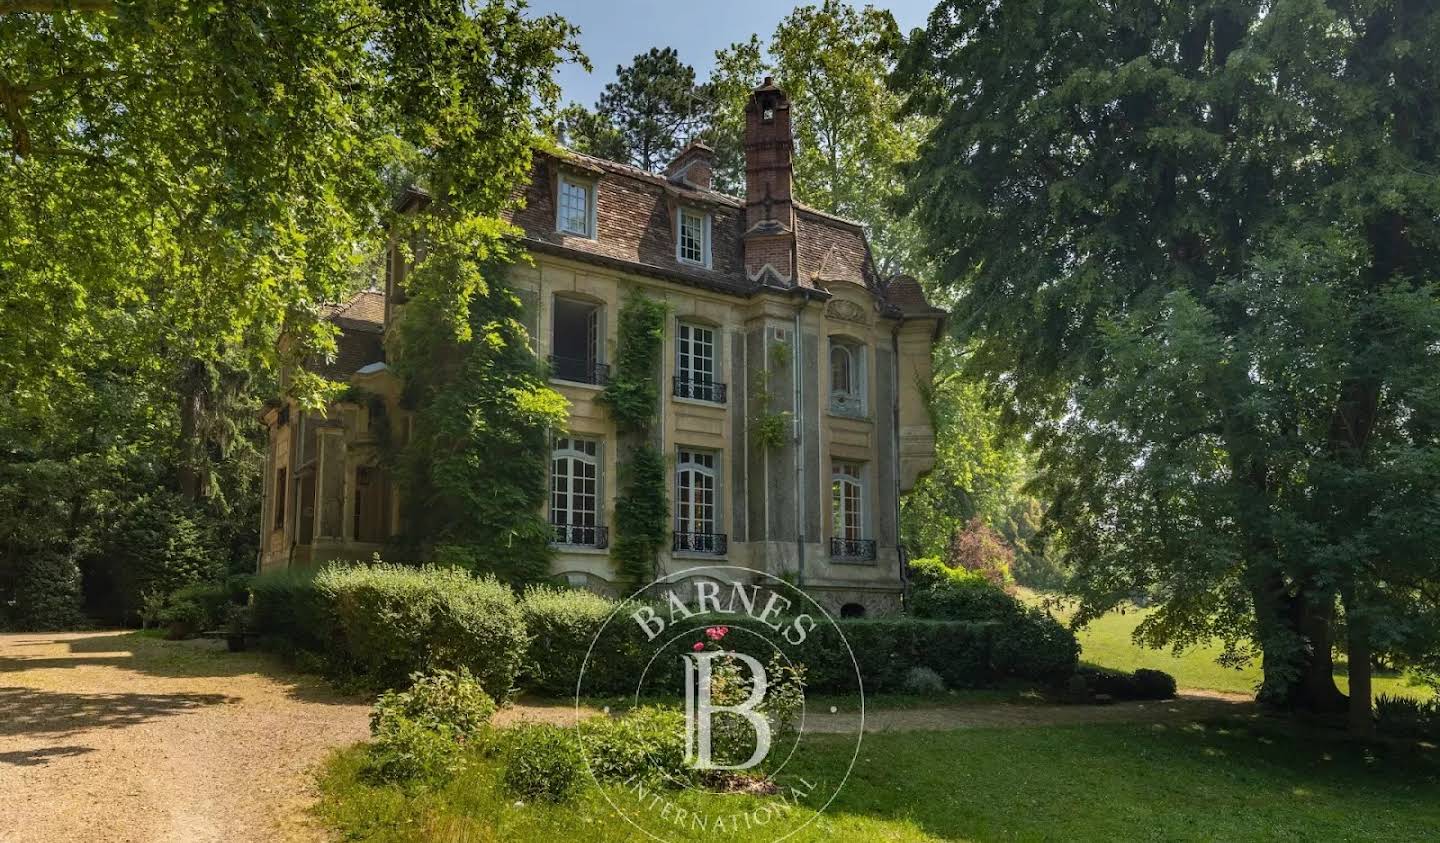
(1252, 780)
(1108, 642)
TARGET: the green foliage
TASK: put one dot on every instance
(442, 700)
(922, 681)
(403, 750)
(47, 594)
(1143, 684)
(473, 475)
(943, 592)
(642, 507)
(642, 515)
(161, 543)
(561, 625)
(769, 428)
(633, 393)
(384, 622)
(1408, 718)
(980, 468)
(644, 116)
(646, 744)
(543, 762)
(198, 606)
(1212, 297)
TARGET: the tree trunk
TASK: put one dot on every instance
(1296, 639)
(191, 401)
(1357, 628)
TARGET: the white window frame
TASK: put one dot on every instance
(851, 400)
(704, 219)
(590, 187)
(700, 383)
(847, 512)
(584, 452)
(694, 469)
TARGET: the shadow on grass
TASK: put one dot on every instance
(154, 656)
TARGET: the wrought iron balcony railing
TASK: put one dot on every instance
(715, 543)
(699, 390)
(579, 370)
(852, 550)
(582, 536)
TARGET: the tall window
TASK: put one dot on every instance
(693, 245)
(696, 496)
(575, 342)
(575, 493)
(280, 499)
(847, 378)
(576, 207)
(847, 493)
(695, 364)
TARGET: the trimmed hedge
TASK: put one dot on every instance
(1025, 645)
(384, 622)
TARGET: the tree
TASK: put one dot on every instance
(585, 131)
(738, 68)
(979, 549)
(1195, 247)
(179, 181)
(833, 61)
(979, 468)
(652, 106)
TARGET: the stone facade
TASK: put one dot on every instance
(775, 311)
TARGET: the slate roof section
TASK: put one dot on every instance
(361, 319)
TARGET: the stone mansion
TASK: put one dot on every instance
(739, 276)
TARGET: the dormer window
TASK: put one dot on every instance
(693, 241)
(575, 207)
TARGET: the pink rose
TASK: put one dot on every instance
(717, 632)
(699, 645)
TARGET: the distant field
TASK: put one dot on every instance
(1107, 642)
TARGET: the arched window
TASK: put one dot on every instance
(575, 493)
(852, 610)
(840, 368)
(697, 488)
(847, 378)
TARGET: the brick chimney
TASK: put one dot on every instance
(769, 176)
(693, 166)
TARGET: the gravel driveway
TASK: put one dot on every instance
(112, 736)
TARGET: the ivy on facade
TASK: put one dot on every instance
(642, 513)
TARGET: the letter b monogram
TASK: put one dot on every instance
(700, 710)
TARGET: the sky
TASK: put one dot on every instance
(613, 32)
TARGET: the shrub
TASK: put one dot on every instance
(979, 549)
(940, 592)
(395, 620)
(923, 681)
(562, 624)
(291, 614)
(160, 543)
(543, 762)
(647, 743)
(1143, 684)
(406, 750)
(1033, 645)
(441, 700)
(1408, 718)
(48, 593)
(384, 622)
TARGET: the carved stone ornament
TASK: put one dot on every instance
(847, 311)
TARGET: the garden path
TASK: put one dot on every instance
(108, 736)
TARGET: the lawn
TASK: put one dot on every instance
(1108, 642)
(1244, 780)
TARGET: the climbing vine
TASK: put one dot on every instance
(769, 428)
(474, 473)
(642, 513)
